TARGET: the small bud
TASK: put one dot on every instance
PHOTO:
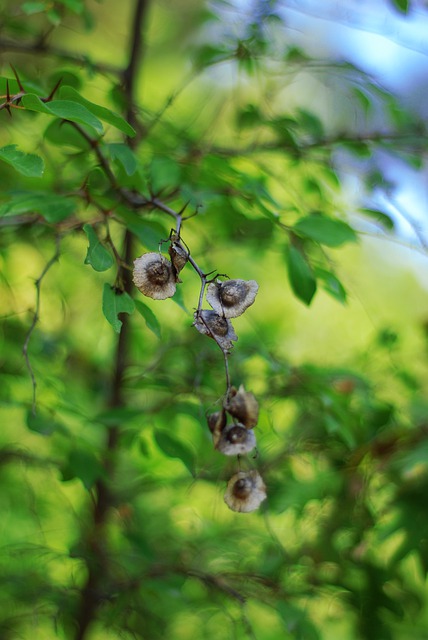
(245, 491)
(235, 439)
(154, 276)
(220, 329)
(244, 407)
(232, 297)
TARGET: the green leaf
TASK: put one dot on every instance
(70, 94)
(319, 228)
(173, 448)
(123, 154)
(207, 55)
(249, 117)
(117, 416)
(332, 285)
(44, 424)
(301, 276)
(152, 322)
(52, 207)
(63, 134)
(401, 5)
(115, 302)
(77, 6)
(296, 621)
(179, 299)
(283, 127)
(357, 147)
(65, 109)
(364, 101)
(54, 17)
(83, 464)
(149, 232)
(165, 173)
(380, 217)
(28, 164)
(33, 7)
(310, 123)
(97, 256)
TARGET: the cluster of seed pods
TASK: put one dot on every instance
(232, 428)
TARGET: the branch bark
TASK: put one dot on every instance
(97, 559)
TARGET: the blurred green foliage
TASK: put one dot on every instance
(113, 520)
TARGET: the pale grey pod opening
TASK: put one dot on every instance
(153, 275)
(231, 297)
(245, 491)
(235, 439)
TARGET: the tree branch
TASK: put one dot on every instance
(98, 562)
(40, 47)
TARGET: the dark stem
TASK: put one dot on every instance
(40, 47)
(135, 51)
(97, 558)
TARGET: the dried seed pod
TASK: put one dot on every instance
(154, 276)
(232, 297)
(245, 491)
(220, 329)
(235, 439)
(179, 257)
(243, 406)
(216, 423)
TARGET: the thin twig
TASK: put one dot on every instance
(35, 320)
(41, 48)
(21, 219)
(226, 368)
(212, 580)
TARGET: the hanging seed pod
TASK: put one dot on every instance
(179, 257)
(243, 406)
(235, 439)
(154, 276)
(220, 329)
(216, 424)
(245, 491)
(232, 297)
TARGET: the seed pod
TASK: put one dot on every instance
(245, 491)
(243, 406)
(232, 297)
(154, 276)
(179, 257)
(220, 329)
(235, 439)
(216, 423)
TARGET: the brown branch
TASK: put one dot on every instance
(30, 218)
(39, 47)
(323, 143)
(9, 454)
(130, 73)
(98, 562)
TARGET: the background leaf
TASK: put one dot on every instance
(65, 109)
(173, 448)
(69, 94)
(332, 233)
(301, 276)
(28, 164)
(114, 303)
(53, 207)
(152, 322)
(97, 255)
